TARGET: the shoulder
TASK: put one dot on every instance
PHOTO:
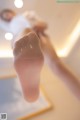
(19, 18)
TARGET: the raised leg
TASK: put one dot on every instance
(28, 63)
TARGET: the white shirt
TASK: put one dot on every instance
(16, 26)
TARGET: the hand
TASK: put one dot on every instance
(40, 26)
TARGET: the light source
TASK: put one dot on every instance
(71, 40)
(8, 36)
(6, 53)
(18, 3)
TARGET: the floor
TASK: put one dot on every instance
(65, 105)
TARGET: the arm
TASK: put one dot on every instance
(59, 68)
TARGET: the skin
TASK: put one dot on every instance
(28, 63)
(53, 61)
(28, 60)
(59, 68)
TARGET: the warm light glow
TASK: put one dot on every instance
(62, 53)
(8, 36)
(6, 53)
(71, 40)
(18, 3)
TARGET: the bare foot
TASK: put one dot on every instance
(28, 62)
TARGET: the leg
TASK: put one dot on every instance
(48, 50)
(58, 67)
(28, 62)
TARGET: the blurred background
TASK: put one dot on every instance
(64, 30)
